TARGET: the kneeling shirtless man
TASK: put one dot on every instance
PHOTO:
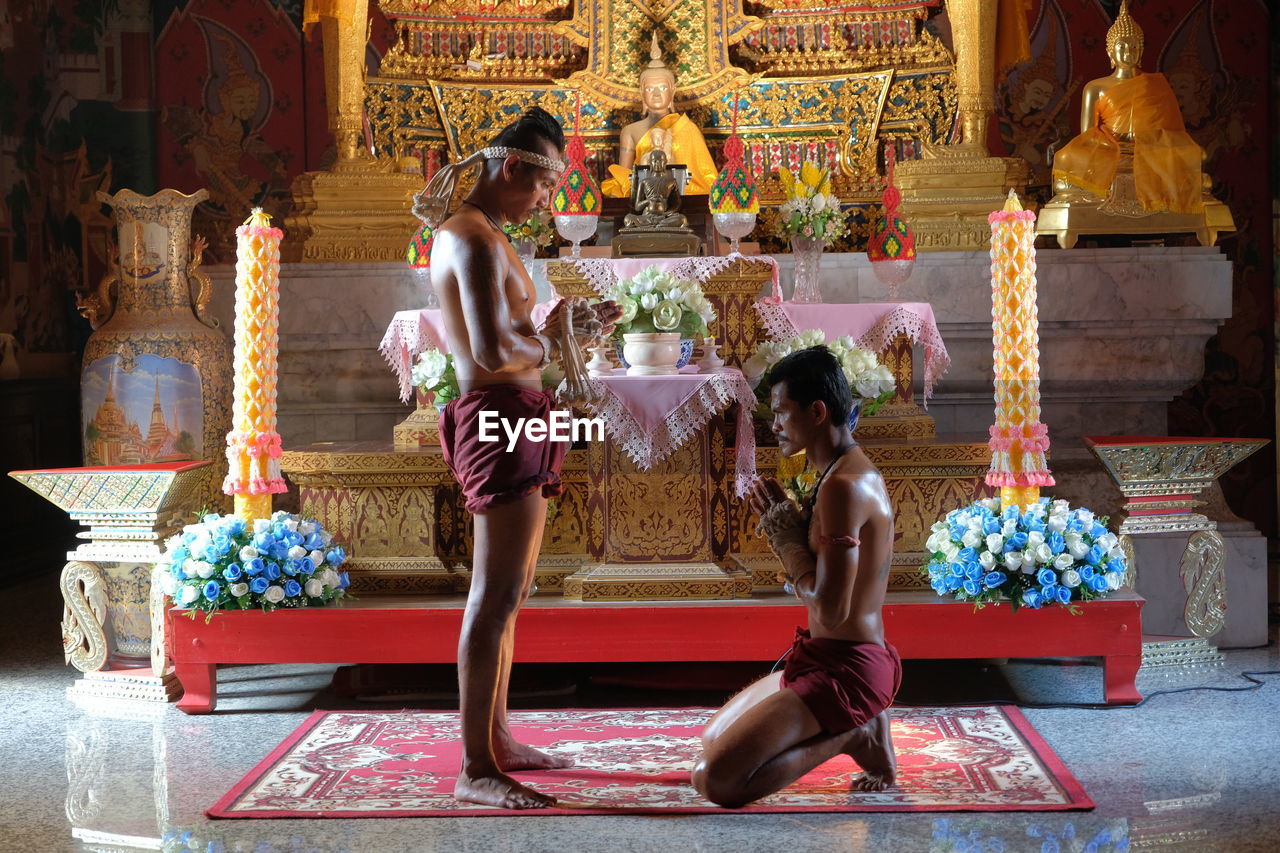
(840, 675)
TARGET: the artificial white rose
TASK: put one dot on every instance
(1078, 550)
(306, 528)
(638, 288)
(649, 301)
(868, 388)
(274, 594)
(1116, 553)
(937, 540)
(1071, 578)
(987, 560)
(314, 588)
(1063, 562)
(937, 525)
(971, 538)
(330, 577)
(261, 525)
(974, 523)
(754, 368)
(676, 295)
(1056, 523)
(248, 552)
(238, 589)
(297, 552)
(428, 369)
(812, 337)
(1010, 527)
(291, 524)
(1107, 541)
(205, 569)
(1072, 536)
(317, 558)
(990, 504)
(1043, 554)
(995, 542)
(1086, 517)
(1114, 579)
(188, 594)
(189, 568)
(1061, 505)
(1035, 539)
(1013, 560)
(168, 584)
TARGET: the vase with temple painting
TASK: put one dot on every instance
(155, 385)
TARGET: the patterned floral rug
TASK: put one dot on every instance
(403, 763)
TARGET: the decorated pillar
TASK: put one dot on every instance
(253, 445)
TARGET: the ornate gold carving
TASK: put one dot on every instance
(651, 582)
(420, 429)
(1163, 467)
(158, 605)
(85, 644)
(1069, 216)
(1130, 561)
(1201, 571)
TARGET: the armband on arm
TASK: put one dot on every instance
(548, 347)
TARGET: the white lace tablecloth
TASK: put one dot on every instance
(650, 417)
(604, 273)
(872, 325)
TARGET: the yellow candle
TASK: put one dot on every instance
(1018, 439)
(253, 445)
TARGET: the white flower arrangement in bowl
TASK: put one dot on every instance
(659, 311)
(870, 381)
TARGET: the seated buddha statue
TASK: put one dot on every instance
(658, 201)
(1133, 153)
(661, 128)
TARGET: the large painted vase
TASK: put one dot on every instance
(156, 380)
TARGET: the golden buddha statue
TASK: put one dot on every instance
(1133, 152)
(658, 200)
(661, 129)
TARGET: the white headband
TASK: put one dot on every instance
(431, 204)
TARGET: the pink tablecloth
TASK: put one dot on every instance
(412, 332)
(872, 325)
(604, 273)
(650, 417)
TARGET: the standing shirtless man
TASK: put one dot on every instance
(486, 296)
(840, 675)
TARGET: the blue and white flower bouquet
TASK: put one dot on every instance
(1049, 554)
(227, 563)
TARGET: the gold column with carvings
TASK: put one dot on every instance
(947, 194)
(360, 209)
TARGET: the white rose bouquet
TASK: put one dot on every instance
(869, 380)
(433, 373)
(657, 301)
(1049, 554)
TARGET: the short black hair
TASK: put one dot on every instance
(524, 132)
(815, 374)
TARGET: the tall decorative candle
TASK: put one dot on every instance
(253, 445)
(1018, 439)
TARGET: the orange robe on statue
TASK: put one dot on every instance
(688, 148)
(1166, 160)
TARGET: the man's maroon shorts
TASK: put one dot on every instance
(843, 683)
(489, 473)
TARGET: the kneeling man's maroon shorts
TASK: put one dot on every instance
(843, 683)
(488, 472)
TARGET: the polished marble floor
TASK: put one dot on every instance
(1194, 771)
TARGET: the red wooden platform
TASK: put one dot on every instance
(407, 629)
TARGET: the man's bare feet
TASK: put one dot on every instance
(872, 748)
(519, 756)
(500, 791)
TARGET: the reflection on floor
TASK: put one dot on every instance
(1195, 771)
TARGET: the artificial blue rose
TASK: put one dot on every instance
(971, 587)
(306, 566)
(211, 518)
(957, 569)
(1009, 512)
(1095, 555)
(1031, 598)
(292, 588)
(973, 571)
(314, 542)
(1016, 542)
(1086, 572)
(939, 585)
(344, 580)
(179, 555)
(212, 590)
(255, 566)
(993, 579)
(1097, 583)
(1075, 524)
(232, 572)
(1064, 594)
(1049, 592)
(968, 555)
(1033, 524)
(953, 582)
(1117, 565)
(291, 568)
(237, 527)
(263, 541)
(1056, 543)
(280, 550)
(1047, 577)
(273, 571)
(259, 585)
(1097, 530)
(957, 532)
(336, 556)
(991, 525)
